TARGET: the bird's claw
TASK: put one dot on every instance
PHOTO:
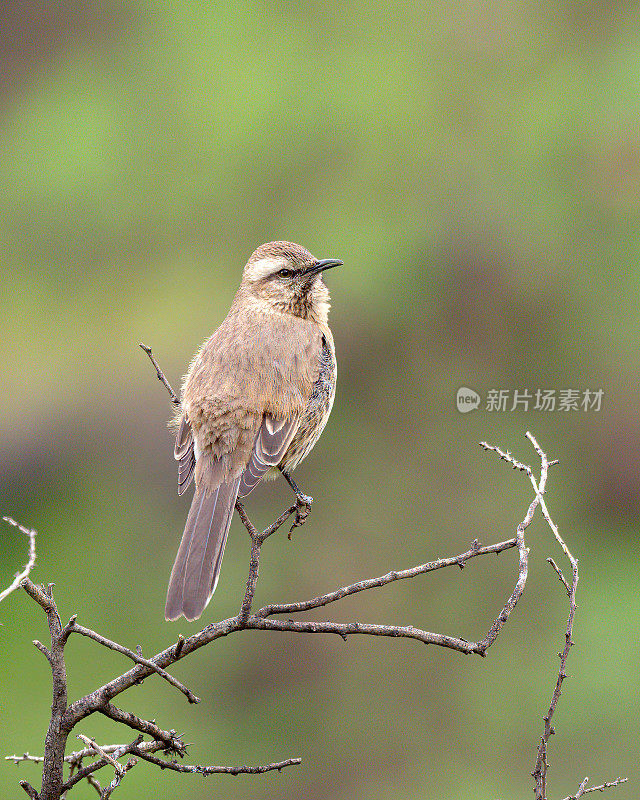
(303, 509)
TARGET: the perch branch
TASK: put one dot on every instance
(331, 597)
(99, 700)
(257, 540)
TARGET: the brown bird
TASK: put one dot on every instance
(255, 400)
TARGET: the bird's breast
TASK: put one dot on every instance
(317, 410)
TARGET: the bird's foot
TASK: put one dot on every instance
(303, 509)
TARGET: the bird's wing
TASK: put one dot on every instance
(272, 441)
(184, 453)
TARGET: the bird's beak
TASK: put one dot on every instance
(321, 265)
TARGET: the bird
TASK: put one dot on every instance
(254, 402)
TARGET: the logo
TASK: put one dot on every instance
(467, 400)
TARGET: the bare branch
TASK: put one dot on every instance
(539, 773)
(170, 739)
(599, 788)
(581, 789)
(344, 629)
(522, 549)
(56, 738)
(160, 374)
(96, 785)
(77, 756)
(109, 759)
(331, 597)
(73, 627)
(116, 751)
(29, 790)
(279, 522)
(106, 793)
(97, 699)
(43, 649)
(540, 491)
(120, 769)
(254, 563)
(505, 455)
(30, 562)
(24, 757)
(251, 528)
(216, 770)
(38, 594)
(558, 571)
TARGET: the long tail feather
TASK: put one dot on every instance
(197, 566)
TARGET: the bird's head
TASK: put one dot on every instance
(287, 278)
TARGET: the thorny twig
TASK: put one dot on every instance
(108, 752)
(73, 627)
(161, 376)
(78, 756)
(599, 788)
(539, 773)
(120, 769)
(31, 559)
(196, 769)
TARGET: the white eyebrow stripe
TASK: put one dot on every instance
(266, 266)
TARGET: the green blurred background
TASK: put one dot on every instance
(477, 167)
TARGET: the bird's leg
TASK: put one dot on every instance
(303, 502)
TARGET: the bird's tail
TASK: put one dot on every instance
(197, 566)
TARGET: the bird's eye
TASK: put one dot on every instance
(285, 273)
